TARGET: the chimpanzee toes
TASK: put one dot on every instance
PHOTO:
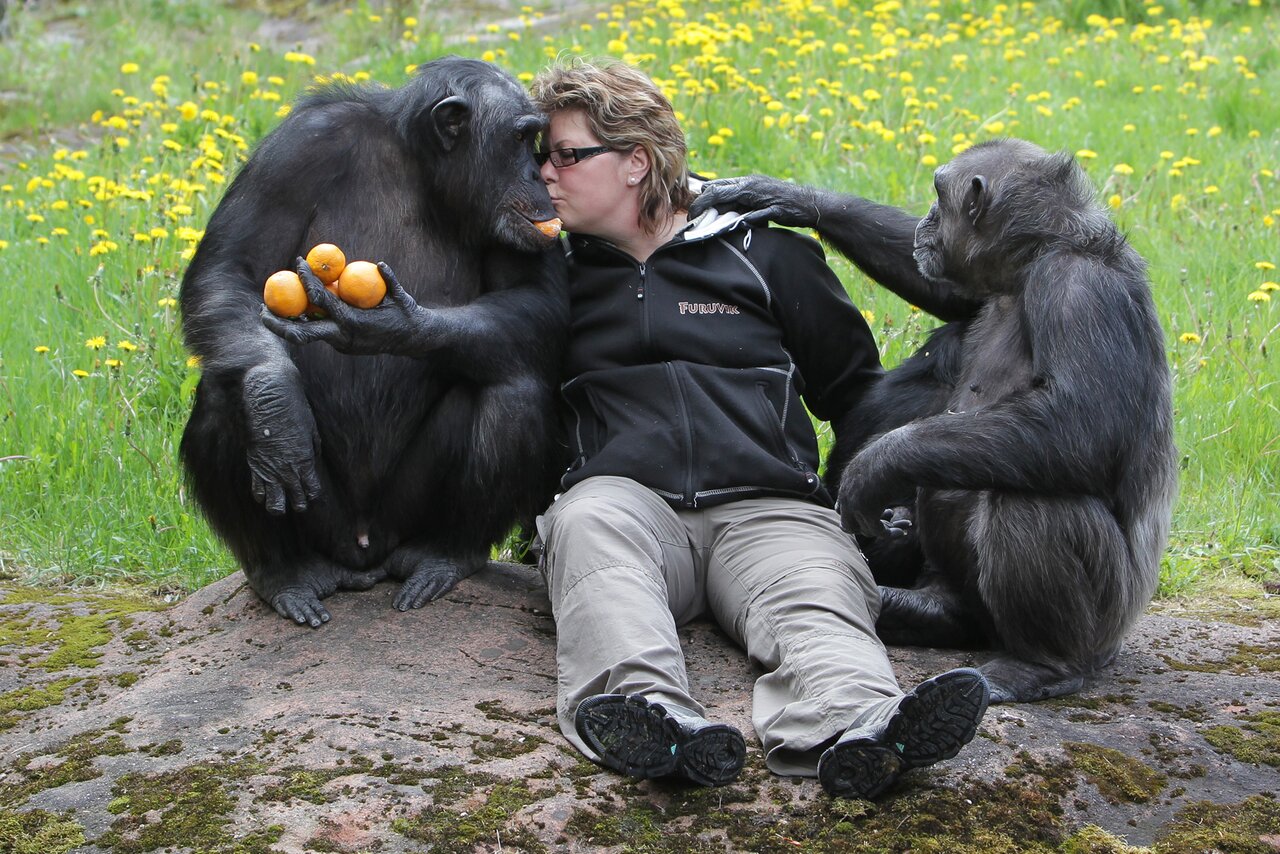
(300, 606)
(425, 585)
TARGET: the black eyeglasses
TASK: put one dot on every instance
(563, 157)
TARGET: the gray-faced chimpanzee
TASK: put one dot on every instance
(325, 470)
(1031, 437)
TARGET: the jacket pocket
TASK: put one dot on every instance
(772, 419)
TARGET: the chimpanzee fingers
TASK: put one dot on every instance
(294, 331)
(304, 332)
(266, 492)
(320, 296)
(399, 296)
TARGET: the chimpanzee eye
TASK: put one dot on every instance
(519, 136)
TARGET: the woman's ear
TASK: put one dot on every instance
(638, 165)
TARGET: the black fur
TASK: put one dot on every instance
(366, 467)
(1032, 434)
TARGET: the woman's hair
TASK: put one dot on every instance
(624, 108)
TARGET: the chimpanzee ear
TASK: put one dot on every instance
(450, 118)
(976, 201)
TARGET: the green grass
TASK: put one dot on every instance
(1173, 115)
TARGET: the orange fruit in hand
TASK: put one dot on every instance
(361, 285)
(285, 295)
(327, 262)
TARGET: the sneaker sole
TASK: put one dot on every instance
(938, 718)
(640, 740)
(714, 756)
(859, 769)
(628, 736)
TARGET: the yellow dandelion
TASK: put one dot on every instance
(1086, 154)
(79, 373)
(126, 345)
(868, 315)
(1189, 338)
(929, 160)
(1115, 202)
(96, 343)
(129, 68)
(113, 363)
(1269, 286)
(1122, 169)
(166, 302)
(715, 139)
(1211, 189)
(1264, 265)
(193, 361)
(1259, 296)
(1177, 202)
(42, 349)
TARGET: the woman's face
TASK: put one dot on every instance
(597, 195)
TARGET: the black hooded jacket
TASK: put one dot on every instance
(686, 372)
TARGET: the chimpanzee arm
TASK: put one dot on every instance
(1062, 435)
(495, 336)
(254, 231)
(878, 238)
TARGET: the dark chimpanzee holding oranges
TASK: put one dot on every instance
(332, 467)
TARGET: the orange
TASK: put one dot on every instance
(284, 294)
(549, 227)
(361, 284)
(326, 261)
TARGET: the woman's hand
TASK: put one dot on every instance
(397, 325)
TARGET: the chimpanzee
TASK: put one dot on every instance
(325, 470)
(1036, 448)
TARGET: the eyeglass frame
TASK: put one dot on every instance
(579, 155)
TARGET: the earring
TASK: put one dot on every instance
(631, 180)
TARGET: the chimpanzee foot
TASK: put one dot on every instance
(300, 600)
(427, 574)
(927, 616)
(428, 582)
(1016, 681)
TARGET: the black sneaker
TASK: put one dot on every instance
(647, 740)
(940, 716)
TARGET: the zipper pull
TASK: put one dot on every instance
(640, 287)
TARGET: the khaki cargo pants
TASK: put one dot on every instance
(780, 576)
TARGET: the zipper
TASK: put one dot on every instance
(644, 309)
(689, 498)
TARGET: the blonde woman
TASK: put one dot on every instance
(694, 486)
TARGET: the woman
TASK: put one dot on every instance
(694, 482)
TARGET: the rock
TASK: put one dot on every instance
(214, 725)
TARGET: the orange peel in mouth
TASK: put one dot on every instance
(550, 227)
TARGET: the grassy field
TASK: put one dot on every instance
(120, 127)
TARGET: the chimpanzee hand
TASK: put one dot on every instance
(397, 325)
(897, 522)
(869, 486)
(765, 198)
(283, 440)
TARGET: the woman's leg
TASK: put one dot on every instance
(789, 585)
(621, 576)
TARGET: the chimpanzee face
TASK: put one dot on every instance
(936, 234)
(488, 137)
